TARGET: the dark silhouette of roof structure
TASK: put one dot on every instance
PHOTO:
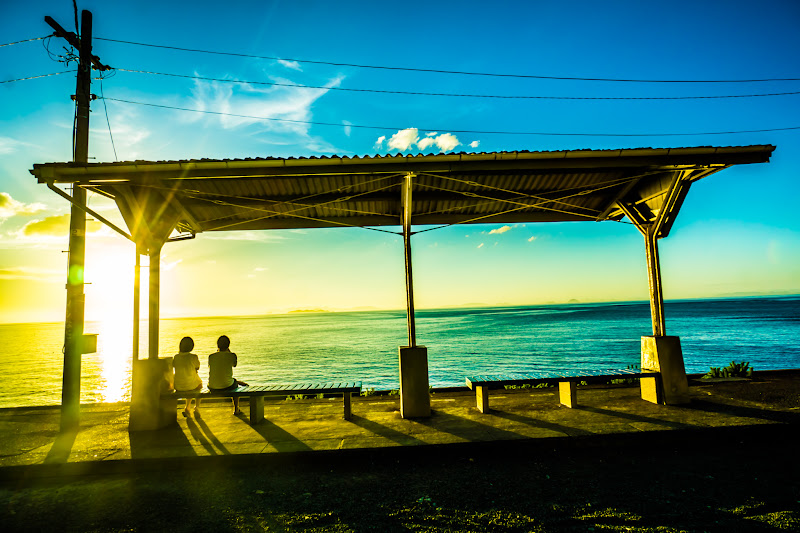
(201, 195)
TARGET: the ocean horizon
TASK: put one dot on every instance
(362, 346)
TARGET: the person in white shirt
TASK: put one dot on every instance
(220, 371)
(185, 365)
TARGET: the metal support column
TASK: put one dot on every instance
(415, 399)
(153, 310)
(412, 330)
(654, 281)
(137, 291)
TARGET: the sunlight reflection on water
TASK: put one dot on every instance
(114, 345)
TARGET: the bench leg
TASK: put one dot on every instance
(346, 400)
(568, 393)
(256, 409)
(482, 398)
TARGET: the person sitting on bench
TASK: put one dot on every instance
(186, 364)
(220, 371)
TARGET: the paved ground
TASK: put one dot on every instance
(727, 461)
(30, 436)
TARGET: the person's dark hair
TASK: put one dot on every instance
(223, 342)
(186, 344)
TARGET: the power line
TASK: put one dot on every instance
(39, 76)
(437, 71)
(25, 41)
(420, 93)
(481, 132)
(108, 122)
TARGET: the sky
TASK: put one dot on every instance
(737, 233)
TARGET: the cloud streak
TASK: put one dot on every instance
(500, 230)
(55, 226)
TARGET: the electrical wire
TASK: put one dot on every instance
(111, 135)
(459, 95)
(26, 40)
(438, 71)
(39, 76)
(479, 132)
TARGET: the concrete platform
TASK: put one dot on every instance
(31, 445)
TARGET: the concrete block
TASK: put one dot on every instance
(663, 354)
(415, 398)
(568, 393)
(151, 378)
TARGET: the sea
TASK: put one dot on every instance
(363, 346)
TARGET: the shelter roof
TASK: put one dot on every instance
(455, 188)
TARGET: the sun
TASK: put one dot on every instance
(109, 275)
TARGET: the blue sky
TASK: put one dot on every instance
(737, 232)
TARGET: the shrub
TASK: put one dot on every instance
(733, 370)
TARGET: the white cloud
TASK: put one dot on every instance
(404, 139)
(294, 65)
(347, 127)
(426, 142)
(447, 141)
(480, 245)
(10, 207)
(532, 239)
(408, 138)
(9, 145)
(260, 269)
(474, 144)
(502, 229)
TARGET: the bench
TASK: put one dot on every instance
(567, 385)
(257, 393)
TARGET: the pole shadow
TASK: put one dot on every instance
(744, 411)
(465, 428)
(282, 440)
(62, 447)
(541, 424)
(636, 418)
(160, 443)
(386, 432)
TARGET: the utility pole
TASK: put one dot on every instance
(74, 321)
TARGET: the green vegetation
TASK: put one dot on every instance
(529, 386)
(368, 392)
(733, 370)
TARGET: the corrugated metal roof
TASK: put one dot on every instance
(327, 191)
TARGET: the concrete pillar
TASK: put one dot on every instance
(663, 354)
(415, 398)
(148, 410)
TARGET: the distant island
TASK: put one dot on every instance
(308, 311)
